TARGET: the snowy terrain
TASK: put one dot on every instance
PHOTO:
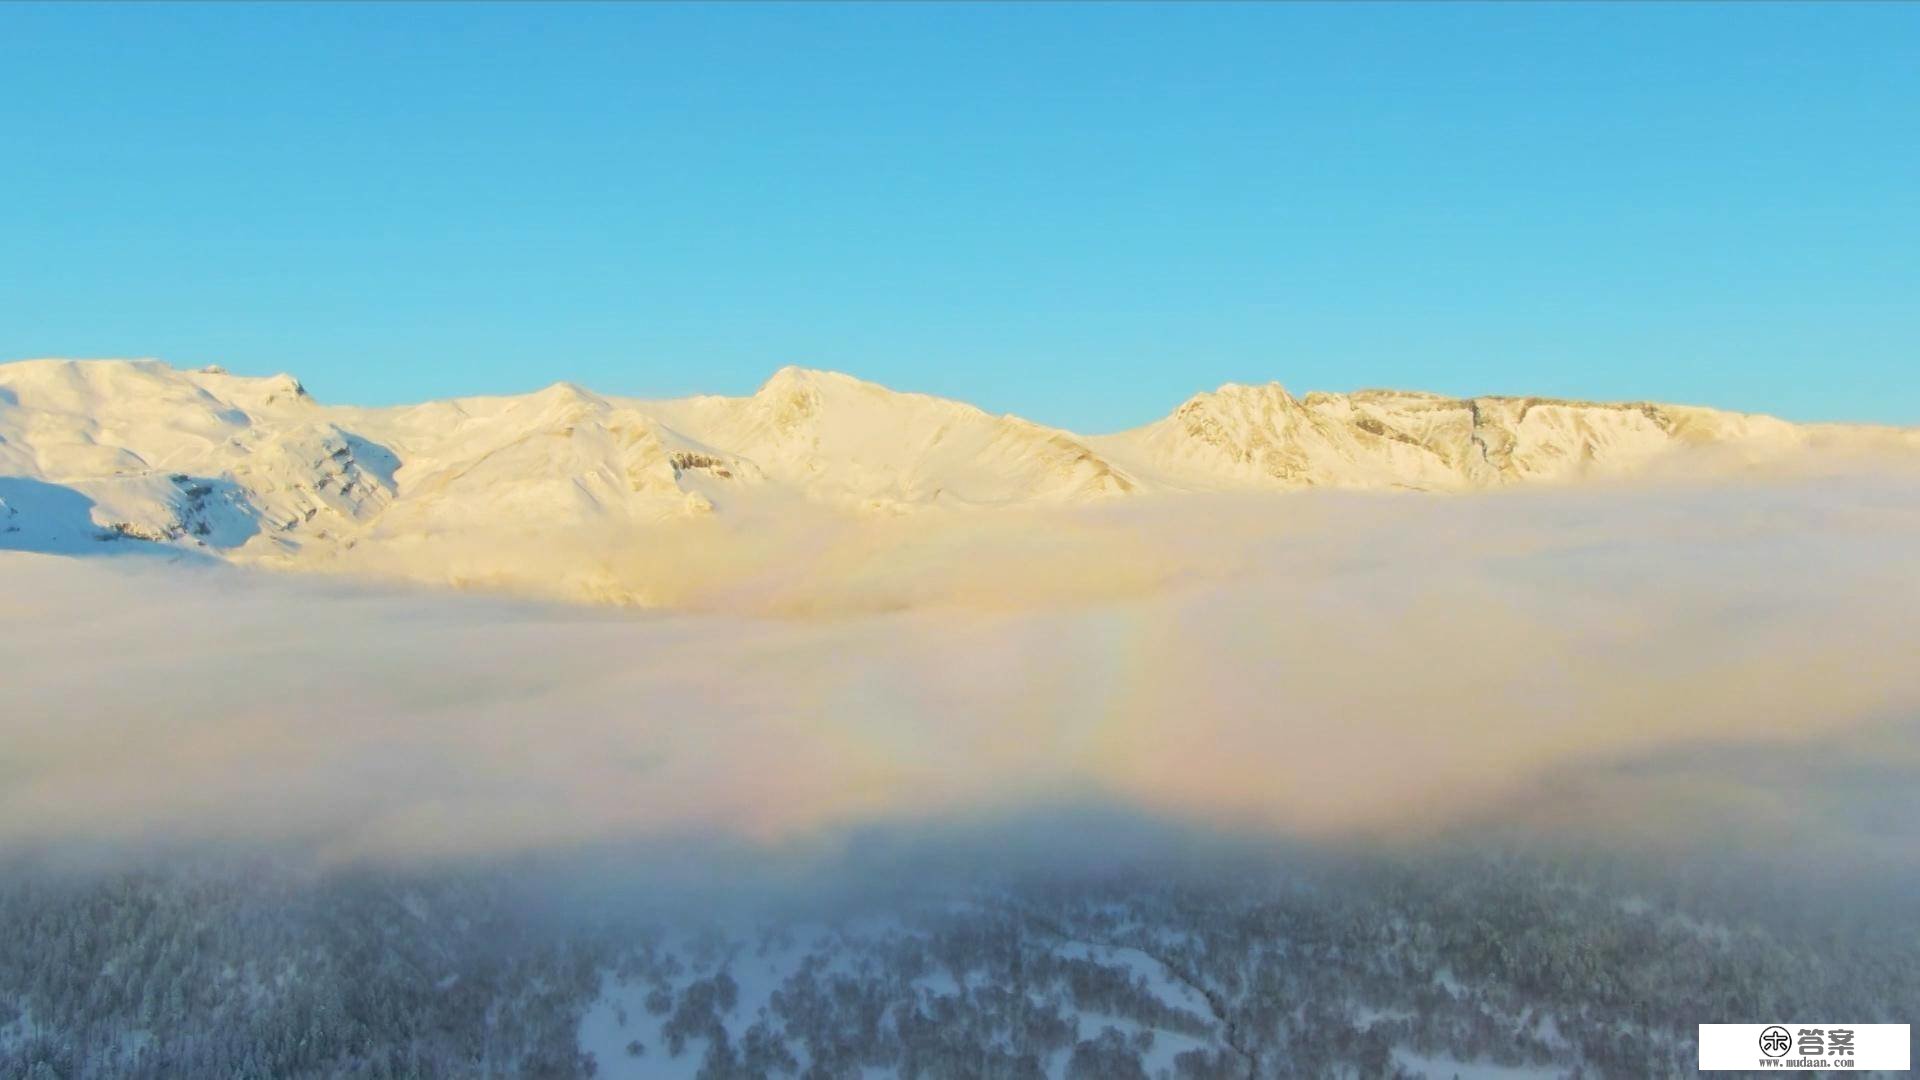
(1484, 969)
(1487, 785)
(525, 490)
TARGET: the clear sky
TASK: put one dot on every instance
(1078, 213)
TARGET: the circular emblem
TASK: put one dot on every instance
(1775, 1041)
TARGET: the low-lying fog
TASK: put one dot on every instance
(1670, 665)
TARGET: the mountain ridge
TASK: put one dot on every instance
(255, 469)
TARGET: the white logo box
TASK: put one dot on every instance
(1807, 1047)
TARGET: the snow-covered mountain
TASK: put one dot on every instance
(254, 469)
(1264, 437)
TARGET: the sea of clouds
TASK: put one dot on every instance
(1725, 665)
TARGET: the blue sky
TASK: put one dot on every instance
(1074, 212)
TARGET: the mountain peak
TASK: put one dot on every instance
(565, 392)
(1236, 389)
(793, 379)
(1237, 398)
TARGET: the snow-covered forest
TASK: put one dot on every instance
(1488, 965)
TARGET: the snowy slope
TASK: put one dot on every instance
(253, 469)
(842, 440)
(111, 450)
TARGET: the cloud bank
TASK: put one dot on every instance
(1652, 665)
